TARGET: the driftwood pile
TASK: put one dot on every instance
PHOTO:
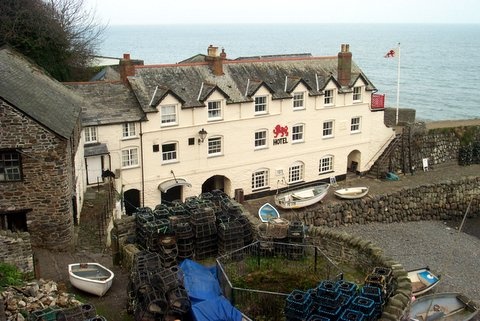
(34, 296)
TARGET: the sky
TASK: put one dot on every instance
(154, 12)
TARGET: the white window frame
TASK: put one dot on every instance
(261, 105)
(168, 118)
(355, 124)
(329, 97)
(327, 128)
(10, 166)
(357, 94)
(129, 157)
(298, 133)
(298, 100)
(261, 139)
(91, 134)
(296, 172)
(326, 164)
(214, 110)
(170, 156)
(215, 146)
(128, 130)
(260, 179)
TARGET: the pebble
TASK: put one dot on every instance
(453, 255)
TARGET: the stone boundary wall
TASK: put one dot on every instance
(439, 145)
(347, 249)
(16, 249)
(447, 200)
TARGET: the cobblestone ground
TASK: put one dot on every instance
(89, 247)
(455, 255)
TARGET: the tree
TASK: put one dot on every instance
(59, 35)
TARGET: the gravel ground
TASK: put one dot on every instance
(452, 254)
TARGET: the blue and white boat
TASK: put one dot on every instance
(267, 212)
(423, 280)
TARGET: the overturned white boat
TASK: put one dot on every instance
(93, 278)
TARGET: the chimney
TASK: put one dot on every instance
(215, 61)
(344, 65)
(127, 67)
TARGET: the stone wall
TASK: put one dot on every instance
(46, 189)
(16, 249)
(440, 145)
(444, 201)
(363, 255)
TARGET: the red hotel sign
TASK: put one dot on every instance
(281, 131)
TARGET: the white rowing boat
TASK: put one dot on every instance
(351, 192)
(93, 278)
(302, 197)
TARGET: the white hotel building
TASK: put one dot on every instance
(247, 126)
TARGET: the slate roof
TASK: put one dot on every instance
(192, 82)
(32, 91)
(108, 103)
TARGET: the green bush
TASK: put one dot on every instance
(9, 275)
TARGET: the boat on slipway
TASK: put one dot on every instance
(443, 307)
(93, 278)
(267, 212)
(423, 280)
(302, 197)
(351, 192)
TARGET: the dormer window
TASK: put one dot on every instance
(214, 110)
(357, 94)
(169, 115)
(329, 97)
(298, 100)
(260, 104)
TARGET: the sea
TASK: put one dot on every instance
(436, 69)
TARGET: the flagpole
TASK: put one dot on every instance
(398, 84)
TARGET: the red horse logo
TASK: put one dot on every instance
(279, 130)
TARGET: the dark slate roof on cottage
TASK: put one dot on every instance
(32, 91)
(242, 78)
(108, 103)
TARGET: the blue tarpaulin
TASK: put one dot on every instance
(208, 303)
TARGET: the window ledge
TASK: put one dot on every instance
(173, 161)
(261, 189)
(327, 172)
(129, 138)
(215, 155)
(298, 142)
(131, 167)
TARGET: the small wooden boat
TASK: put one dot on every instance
(93, 278)
(423, 280)
(351, 192)
(444, 307)
(267, 212)
(302, 197)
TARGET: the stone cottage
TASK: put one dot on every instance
(40, 133)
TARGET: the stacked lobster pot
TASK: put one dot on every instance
(296, 240)
(204, 228)
(168, 251)
(156, 292)
(150, 228)
(230, 235)
(185, 240)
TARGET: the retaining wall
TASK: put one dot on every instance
(16, 249)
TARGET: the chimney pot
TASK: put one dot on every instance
(344, 70)
(126, 56)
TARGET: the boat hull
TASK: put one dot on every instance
(423, 280)
(301, 197)
(267, 212)
(351, 192)
(90, 277)
(444, 307)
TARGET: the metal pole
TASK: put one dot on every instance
(398, 85)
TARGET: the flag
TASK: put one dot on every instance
(390, 54)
